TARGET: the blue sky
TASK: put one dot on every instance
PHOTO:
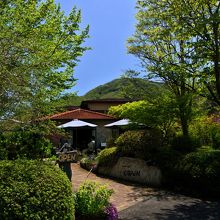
(111, 23)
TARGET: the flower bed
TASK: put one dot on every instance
(92, 202)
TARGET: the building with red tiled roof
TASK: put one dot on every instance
(81, 136)
(92, 111)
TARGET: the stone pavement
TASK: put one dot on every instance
(135, 202)
(125, 194)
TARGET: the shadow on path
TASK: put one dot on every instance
(169, 206)
(136, 202)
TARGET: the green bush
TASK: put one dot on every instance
(185, 144)
(207, 131)
(3, 150)
(166, 158)
(88, 163)
(25, 144)
(3, 153)
(141, 144)
(108, 157)
(91, 199)
(202, 164)
(201, 170)
(34, 190)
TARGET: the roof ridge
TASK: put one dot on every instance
(80, 110)
(63, 113)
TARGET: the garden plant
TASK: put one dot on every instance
(92, 202)
(31, 189)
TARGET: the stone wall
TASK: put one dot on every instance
(135, 170)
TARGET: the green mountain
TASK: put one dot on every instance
(135, 88)
(125, 88)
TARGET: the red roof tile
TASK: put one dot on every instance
(80, 114)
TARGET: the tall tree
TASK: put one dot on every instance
(160, 114)
(39, 48)
(201, 19)
(163, 50)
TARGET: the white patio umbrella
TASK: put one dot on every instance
(121, 122)
(76, 124)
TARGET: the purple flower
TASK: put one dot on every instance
(111, 212)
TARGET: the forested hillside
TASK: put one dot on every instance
(119, 88)
(124, 88)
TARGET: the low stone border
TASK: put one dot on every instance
(135, 170)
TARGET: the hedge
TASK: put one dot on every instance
(140, 144)
(34, 190)
(108, 157)
(201, 171)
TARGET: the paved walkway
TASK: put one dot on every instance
(135, 202)
(124, 196)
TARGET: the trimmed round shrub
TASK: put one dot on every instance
(201, 170)
(108, 157)
(34, 190)
(140, 144)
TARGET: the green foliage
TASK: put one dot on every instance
(161, 113)
(133, 89)
(200, 20)
(3, 153)
(166, 158)
(179, 42)
(34, 190)
(117, 89)
(108, 157)
(201, 170)
(88, 160)
(207, 131)
(204, 163)
(137, 88)
(3, 150)
(91, 199)
(88, 163)
(140, 144)
(185, 144)
(39, 49)
(163, 47)
(31, 142)
(69, 99)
